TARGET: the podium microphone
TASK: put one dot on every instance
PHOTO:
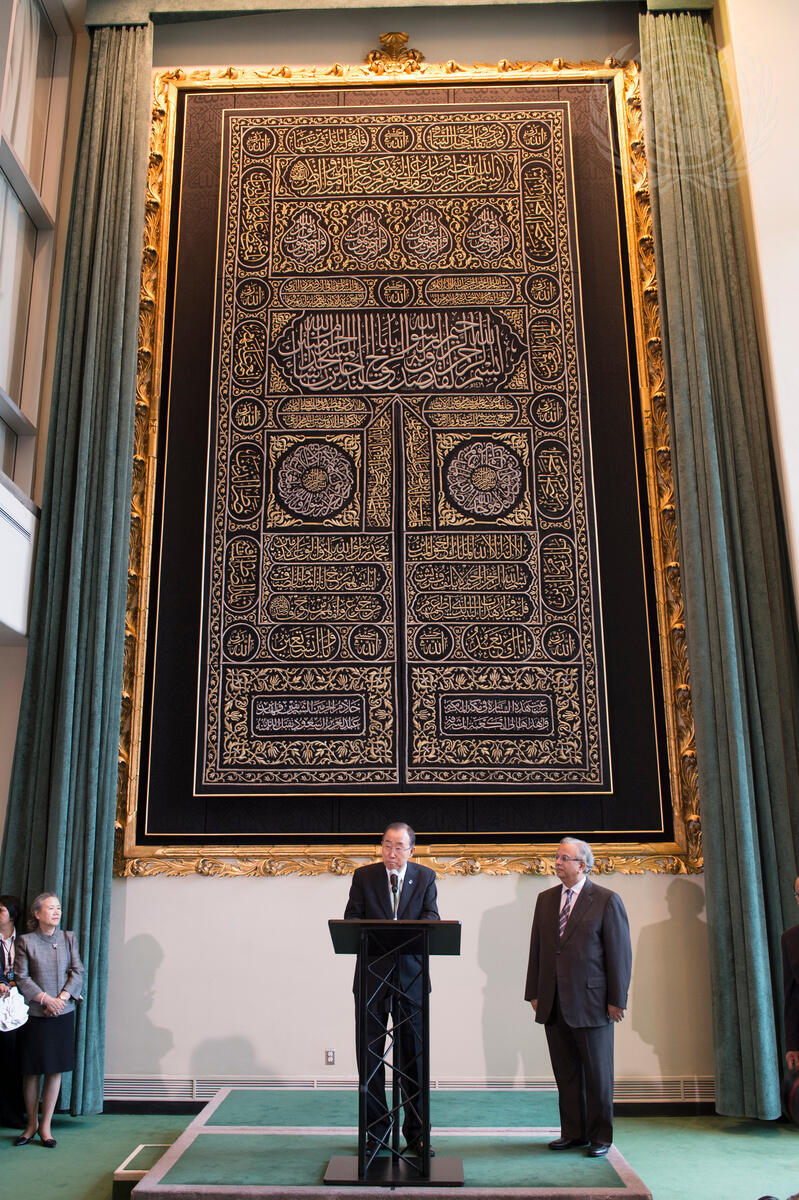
(394, 881)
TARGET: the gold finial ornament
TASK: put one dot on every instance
(393, 55)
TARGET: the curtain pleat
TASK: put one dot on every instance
(59, 832)
(740, 618)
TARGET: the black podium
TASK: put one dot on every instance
(393, 975)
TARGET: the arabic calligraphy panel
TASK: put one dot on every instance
(371, 498)
(402, 568)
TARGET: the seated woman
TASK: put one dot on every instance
(49, 974)
(12, 1108)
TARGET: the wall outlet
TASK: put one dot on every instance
(330, 1058)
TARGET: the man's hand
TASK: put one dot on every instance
(535, 1005)
(792, 1059)
(4, 989)
(615, 1014)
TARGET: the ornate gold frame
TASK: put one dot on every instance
(394, 65)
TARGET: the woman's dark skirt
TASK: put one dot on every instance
(47, 1045)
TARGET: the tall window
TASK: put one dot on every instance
(36, 48)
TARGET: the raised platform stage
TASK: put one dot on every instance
(277, 1143)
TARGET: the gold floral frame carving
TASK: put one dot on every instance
(684, 854)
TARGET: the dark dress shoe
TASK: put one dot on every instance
(568, 1144)
(598, 1149)
(22, 1140)
(416, 1150)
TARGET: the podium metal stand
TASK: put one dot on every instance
(381, 947)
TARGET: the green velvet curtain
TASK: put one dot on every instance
(59, 830)
(740, 618)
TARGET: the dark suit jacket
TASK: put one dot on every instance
(589, 966)
(790, 982)
(370, 900)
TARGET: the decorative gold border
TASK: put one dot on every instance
(684, 855)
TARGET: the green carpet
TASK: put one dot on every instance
(681, 1158)
(711, 1158)
(82, 1165)
(145, 1158)
(301, 1159)
(448, 1109)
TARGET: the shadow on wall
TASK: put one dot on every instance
(508, 1023)
(148, 1043)
(671, 959)
(227, 1058)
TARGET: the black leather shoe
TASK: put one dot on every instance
(598, 1149)
(568, 1144)
(416, 1150)
(22, 1140)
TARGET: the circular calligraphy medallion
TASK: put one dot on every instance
(315, 480)
(248, 414)
(257, 142)
(241, 642)
(561, 642)
(535, 135)
(393, 138)
(395, 292)
(483, 479)
(367, 642)
(433, 642)
(253, 294)
(548, 410)
(542, 289)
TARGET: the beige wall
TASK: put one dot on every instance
(584, 32)
(237, 976)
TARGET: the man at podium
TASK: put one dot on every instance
(394, 889)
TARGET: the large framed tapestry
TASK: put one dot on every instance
(404, 544)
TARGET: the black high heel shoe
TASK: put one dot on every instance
(48, 1142)
(23, 1141)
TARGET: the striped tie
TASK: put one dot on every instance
(564, 912)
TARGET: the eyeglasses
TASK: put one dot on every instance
(396, 846)
(566, 858)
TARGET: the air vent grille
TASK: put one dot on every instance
(679, 1089)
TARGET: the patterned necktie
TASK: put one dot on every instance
(564, 912)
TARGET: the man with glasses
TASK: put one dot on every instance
(790, 981)
(394, 889)
(577, 980)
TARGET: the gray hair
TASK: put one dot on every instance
(33, 920)
(584, 852)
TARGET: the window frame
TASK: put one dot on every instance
(21, 413)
